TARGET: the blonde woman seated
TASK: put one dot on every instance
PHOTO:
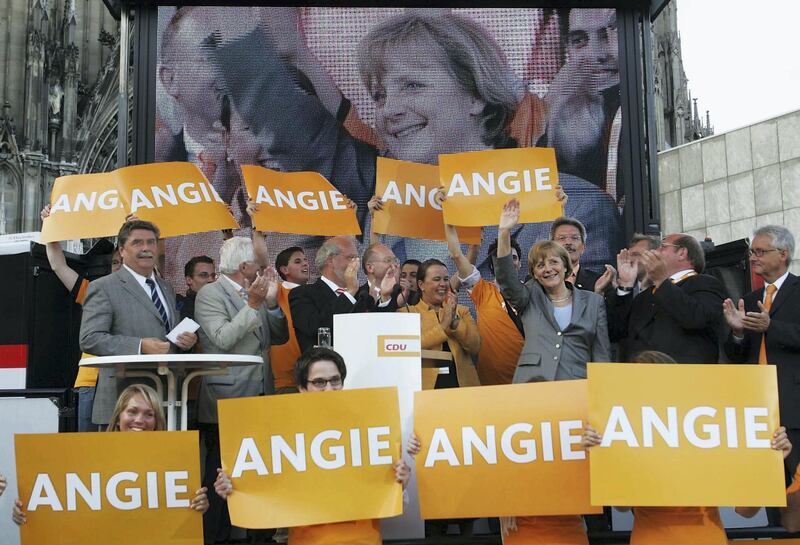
(564, 327)
(446, 325)
(138, 409)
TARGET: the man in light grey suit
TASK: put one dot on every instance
(129, 312)
(238, 314)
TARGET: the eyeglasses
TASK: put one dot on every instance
(759, 252)
(568, 238)
(321, 383)
(669, 244)
(204, 275)
(387, 260)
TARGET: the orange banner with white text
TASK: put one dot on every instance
(408, 192)
(311, 458)
(685, 435)
(479, 183)
(502, 450)
(174, 196)
(302, 203)
(100, 488)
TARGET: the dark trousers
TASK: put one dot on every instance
(216, 521)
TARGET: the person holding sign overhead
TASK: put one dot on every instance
(138, 409)
(446, 325)
(321, 370)
(564, 327)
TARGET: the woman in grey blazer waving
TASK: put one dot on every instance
(564, 327)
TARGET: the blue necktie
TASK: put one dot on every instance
(157, 302)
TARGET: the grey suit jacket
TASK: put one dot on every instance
(547, 347)
(117, 314)
(228, 325)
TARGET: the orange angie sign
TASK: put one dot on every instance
(303, 203)
(479, 183)
(96, 488)
(502, 450)
(174, 196)
(311, 458)
(685, 435)
(410, 210)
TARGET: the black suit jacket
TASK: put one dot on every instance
(366, 301)
(783, 345)
(313, 306)
(586, 279)
(683, 320)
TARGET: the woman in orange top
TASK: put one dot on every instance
(320, 370)
(446, 325)
(678, 525)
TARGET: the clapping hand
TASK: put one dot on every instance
(627, 269)
(757, 321)
(734, 316)
(388, 283)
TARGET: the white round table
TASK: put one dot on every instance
(183, 367)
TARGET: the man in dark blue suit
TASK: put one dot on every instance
(765, 324)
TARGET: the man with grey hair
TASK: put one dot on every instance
(238, 314)
(680, 315)
(765, 323)
(313, 305)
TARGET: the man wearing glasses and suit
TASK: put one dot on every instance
(765, 324)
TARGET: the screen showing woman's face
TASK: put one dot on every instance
(421, 111)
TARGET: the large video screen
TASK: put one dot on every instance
(331, 89)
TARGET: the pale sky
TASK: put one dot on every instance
(742, 58)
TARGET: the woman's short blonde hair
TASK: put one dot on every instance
(545, 248)
(149, 395)
(468, 52)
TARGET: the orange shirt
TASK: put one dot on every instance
(283, 356)
(501, 341)
(556, 530)
(677, 526)
(357, 532)
(87, 376)
(795, 486)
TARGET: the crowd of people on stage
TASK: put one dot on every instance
(540, 321)
(543, 300)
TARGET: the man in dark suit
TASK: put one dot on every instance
(765, 324)
(313, 305)
(382, 290)
(129, 312)
(570, 234)
(679, 314)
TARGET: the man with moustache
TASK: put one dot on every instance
(765, 324)
(313, 305)
(129, 312)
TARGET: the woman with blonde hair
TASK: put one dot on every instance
(138, 408)
(564, 327)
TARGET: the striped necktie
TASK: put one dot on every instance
(157, 302)
(762, 353)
